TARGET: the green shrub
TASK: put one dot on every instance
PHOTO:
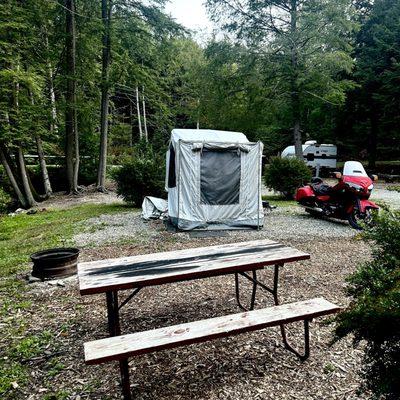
(395, 188)
(285, 175)
(374, 314)
(5, 201)
(142, 175)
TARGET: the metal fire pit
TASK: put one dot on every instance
(55, 263)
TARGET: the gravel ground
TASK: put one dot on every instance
(280, 224)
(390, 197)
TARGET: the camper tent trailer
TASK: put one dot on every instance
(316, 155)
(213, 180)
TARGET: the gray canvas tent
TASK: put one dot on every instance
(213, 180)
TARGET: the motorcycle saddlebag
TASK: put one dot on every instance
(303, 192)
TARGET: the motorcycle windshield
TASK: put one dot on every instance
(354, 168)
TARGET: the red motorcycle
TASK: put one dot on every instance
(348, 199)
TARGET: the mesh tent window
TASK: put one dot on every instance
(220, 172)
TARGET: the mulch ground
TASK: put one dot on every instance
(248, 366)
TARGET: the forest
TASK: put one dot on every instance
(83, 82)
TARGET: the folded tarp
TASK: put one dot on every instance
(154, 208)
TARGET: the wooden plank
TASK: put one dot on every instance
(119, 347)
(166, 267)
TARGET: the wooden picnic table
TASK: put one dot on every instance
(137, 272)
(174, 266)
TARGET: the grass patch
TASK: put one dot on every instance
(279, 201)
(24, 234)
(21, 236)
(13, 369)
(55, 367)
(60, 395)
(12, 375)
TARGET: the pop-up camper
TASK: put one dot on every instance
(315, 155)
(213, 180)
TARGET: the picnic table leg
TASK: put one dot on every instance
(114, 329)
(253, 294)
(288, 346)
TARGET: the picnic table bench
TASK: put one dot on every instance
(240, 259)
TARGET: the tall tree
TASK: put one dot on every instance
(307, 42)
(71, 123)
(106, 13)
(139, 118)
(40, 152)
(146, 133)
(5, 160)
(372, 116)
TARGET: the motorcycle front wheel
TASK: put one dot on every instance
(357, 219)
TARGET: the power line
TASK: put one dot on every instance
(321, 98)
(76, 13)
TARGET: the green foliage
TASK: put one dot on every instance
(295, 65)
(285, 175)
(374, 314)
(30, 346)
(142, 175)
(369, 125)
(55, 366)
(5, 201)
(13, 370)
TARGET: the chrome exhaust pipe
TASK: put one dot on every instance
(315, 209)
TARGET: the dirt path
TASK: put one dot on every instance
(88, 196)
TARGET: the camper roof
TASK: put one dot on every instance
(207, 135)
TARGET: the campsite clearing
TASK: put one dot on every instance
(50, 322)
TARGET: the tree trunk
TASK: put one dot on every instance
(198, 114)
(132, 133)
(146, 134)
(21, 198)
(42, 162)
(373, 138)
(53, 123)
(77, 155)
(106, 13)
(24, 178)
(295, 99)
(52, 96)
(43, 167)
(138, 114)
(71, 131)
(26, 199)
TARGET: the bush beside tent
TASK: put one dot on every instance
(285, 175)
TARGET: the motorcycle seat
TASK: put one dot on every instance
(316, 181)
(321, 189)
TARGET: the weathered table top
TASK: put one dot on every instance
(174, 266)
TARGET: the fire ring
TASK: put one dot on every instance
(55, 263)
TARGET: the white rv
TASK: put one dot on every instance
(316, 155)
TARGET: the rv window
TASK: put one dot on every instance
(220, 177)
(171, 169)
